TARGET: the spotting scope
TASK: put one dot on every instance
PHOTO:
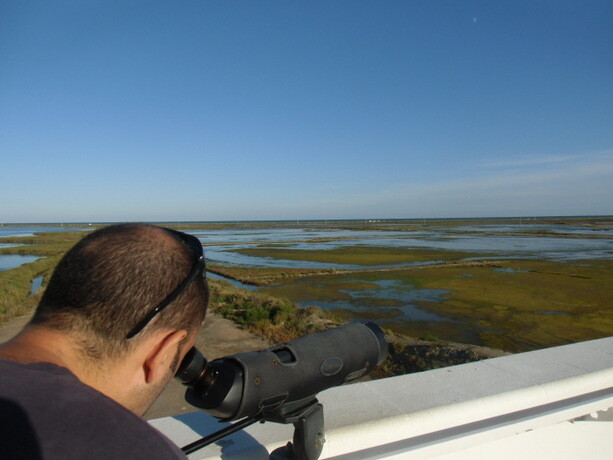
(279, 384)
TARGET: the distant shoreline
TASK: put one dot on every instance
(371, 220)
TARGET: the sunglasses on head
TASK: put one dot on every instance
(198, 269)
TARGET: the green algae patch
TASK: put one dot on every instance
(319, 289)
(264, 276)
(357, 255)
(345, 284)
(538, 304)
(334, 288)
(517, 305)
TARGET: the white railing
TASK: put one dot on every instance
(552, 403)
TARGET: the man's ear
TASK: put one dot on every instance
(162, 355)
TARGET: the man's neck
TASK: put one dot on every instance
(41, 344)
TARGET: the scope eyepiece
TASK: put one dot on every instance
(192, 368)
(263, 381)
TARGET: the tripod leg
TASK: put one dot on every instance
(203, 442)
(309, 434)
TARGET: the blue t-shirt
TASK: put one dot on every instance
(47, 413)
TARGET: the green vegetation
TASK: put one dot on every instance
(258, 276)
(275, 319)
(15, 284)
(264, 276)
(42, 244)
(517, 305)
(511, 305)
(538, 304)
(278, 320)
(320, 288)
(357, 255)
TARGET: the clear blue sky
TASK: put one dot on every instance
(232, 110)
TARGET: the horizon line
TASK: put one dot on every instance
(306, 220)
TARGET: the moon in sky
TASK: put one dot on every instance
(474, 19)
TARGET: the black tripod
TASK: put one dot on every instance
(307, 418)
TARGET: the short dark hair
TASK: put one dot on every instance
(112, 278)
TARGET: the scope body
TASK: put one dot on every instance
(263, 381)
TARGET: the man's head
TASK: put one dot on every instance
(107, 285)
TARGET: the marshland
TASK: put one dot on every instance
(445, 291)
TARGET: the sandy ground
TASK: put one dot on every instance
(218, 337)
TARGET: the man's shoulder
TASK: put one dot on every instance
(49, 409)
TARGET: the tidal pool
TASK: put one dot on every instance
(8, 261)
(36, 284)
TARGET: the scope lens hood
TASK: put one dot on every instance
(381, 340)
